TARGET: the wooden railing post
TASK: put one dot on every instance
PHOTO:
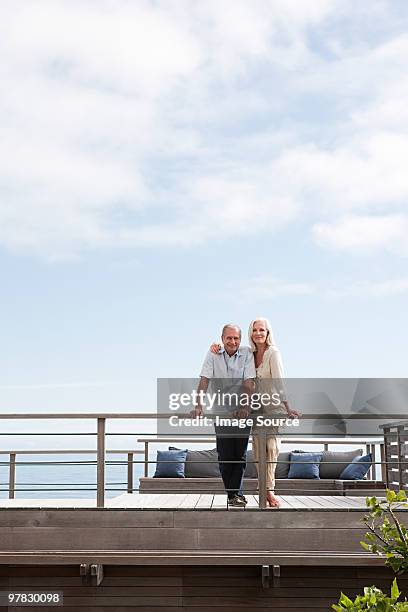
(382, 459)
(400, 457)
(146, 458)
(386, 455)
(12, 476)
(367, 451)
(130, 473)
(100, 466)
(262, 469)
(373, 470)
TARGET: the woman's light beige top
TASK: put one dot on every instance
(270, 375)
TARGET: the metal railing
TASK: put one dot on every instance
(13, 462)
(101, 450)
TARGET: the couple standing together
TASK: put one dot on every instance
(245, 369)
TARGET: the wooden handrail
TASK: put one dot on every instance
(394, 424)
(70, 452)
(154, 415)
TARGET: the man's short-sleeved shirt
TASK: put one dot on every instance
(227, 373)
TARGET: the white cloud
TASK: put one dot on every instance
(364, 234)
(69, 385)
(370, 289)
(361, 174)
(118, 116)
(266, 287)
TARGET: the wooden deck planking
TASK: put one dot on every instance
(313, 502)
(341, 503)
(205, 501)
(220, 502)
(48, 503)
(288, 501)
(354, 502)
(283, 504)
(252, 501)
(301, 502)
(174, 502)
(127, 500)
(330, 502)
(199, 501)
(190, 501)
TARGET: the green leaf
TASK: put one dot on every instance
(345, 601)
(370, 537)
(395, 592)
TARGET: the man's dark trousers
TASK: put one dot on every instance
(232, 443)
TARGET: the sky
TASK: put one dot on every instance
(171, 166)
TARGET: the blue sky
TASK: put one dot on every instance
(171, 166)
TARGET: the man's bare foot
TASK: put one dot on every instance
(272, 501)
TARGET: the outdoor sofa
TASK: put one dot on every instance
(201, 475)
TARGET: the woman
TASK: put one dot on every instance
(269, 379)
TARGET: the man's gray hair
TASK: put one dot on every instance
(230, 325)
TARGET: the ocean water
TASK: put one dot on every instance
(64, 480)
(70, 475)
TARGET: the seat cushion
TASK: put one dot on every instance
(282, 467)
(170, 464)
(357, 469)
(202, 464)
(304, 465)
(333, 463)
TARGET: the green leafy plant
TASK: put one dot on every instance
(373, 599)
(387, 538)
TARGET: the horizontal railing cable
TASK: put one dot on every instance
(101, 462)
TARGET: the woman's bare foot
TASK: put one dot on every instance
(272, 501)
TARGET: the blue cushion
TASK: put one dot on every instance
(357, 469)
(170, 464)
(304, 465)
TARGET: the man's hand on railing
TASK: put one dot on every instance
(242, 413)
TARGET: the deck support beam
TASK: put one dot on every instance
(265, 576)
(276, 575)
(92, 574)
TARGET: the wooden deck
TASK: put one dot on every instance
(184, 528)
(197, 589)
(197, 501)
(188, 552)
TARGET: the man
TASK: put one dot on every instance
(232, 371)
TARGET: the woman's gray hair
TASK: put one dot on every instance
(269, 338)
